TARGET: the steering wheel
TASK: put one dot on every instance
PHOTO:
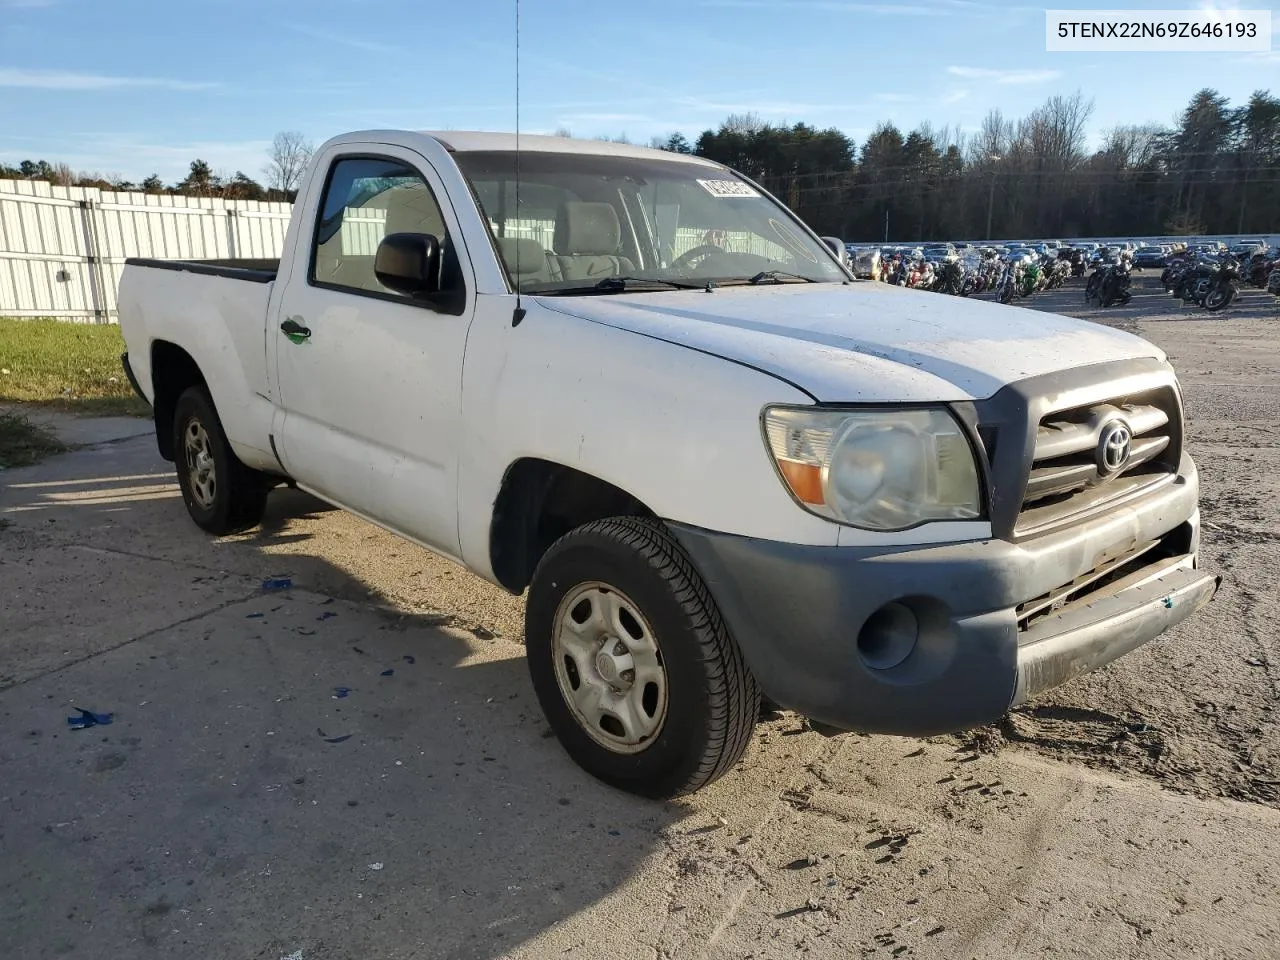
(703, 251)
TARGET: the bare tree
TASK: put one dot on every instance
(1054, 133)
(993, 139)
(563, 132)
(743, 123)
(289, 155)
(1129, 145)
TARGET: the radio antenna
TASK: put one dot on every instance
(519, 312)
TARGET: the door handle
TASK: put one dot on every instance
(294, 330)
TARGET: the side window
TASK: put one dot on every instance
(366, 199)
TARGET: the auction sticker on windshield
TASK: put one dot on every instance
(728, 188)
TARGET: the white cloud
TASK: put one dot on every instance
(343, 40)
(605, 118)
(68, 80)
(1005, 76)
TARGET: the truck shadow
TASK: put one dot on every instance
(292, 773)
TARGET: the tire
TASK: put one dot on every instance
(222, 494)
(701, 722)
(1219, 298)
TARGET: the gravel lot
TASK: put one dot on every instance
(1132, 813)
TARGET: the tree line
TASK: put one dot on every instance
(1215, 171)
(287, 160)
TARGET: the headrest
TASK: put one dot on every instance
(522, 255)
(587, 229)
(412, 209)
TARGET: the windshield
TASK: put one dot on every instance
(585, 218)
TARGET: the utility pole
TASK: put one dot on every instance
(991, 197)
(991, 203)
(886, 224)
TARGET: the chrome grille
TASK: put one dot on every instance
(1071, 473)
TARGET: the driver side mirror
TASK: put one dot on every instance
(837, 247)
(409, 263)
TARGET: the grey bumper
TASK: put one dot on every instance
(796, 611)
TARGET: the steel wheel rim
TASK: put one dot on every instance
(609, 667)
(202, 474)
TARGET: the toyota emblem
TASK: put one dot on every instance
(1113, 447)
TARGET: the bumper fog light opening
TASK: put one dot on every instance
(888, 637)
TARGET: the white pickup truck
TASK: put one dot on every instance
(634, 384)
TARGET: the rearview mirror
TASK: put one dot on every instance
(409, 263)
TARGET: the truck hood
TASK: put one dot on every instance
(864, 342)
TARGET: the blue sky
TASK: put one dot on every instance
(141, 86)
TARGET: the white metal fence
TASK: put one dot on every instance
(62, 248)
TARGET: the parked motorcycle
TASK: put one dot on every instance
(1259, 267)
(1212, 284)
(950, 276)
(1075, 260)
(1009, 281)
(1113, 288)
(918, 274)
(1031, 279)
(1057, 273)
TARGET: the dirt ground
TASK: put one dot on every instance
(242, 805)
(1198, 712)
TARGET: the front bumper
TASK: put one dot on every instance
(796, 612)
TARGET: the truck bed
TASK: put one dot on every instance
(255, 271)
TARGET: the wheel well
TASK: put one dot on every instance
(172, 372)
(540, 502)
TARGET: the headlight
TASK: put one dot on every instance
(876, 469)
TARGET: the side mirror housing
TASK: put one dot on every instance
(409, 263)
(838, 248)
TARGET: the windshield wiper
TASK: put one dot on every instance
(770, 276)
(619, 285)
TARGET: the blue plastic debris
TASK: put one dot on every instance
(88, 719)
(276, 583)
(388, 672)
(254, 616)
(337, 739)
(1168, 602)
(327, 615)
(340, 693)
(408, 658)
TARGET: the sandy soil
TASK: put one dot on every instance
(239, 807)
(1198, 711)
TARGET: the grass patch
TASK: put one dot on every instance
(23, 443)
(74, 367)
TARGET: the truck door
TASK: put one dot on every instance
(370, 380)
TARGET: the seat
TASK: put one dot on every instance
(528, 261)
(588, 238)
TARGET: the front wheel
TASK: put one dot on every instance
(222, 494)
(632, 663)
(1219, 297)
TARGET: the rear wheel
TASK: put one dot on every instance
(222, 494)
(632, 663)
